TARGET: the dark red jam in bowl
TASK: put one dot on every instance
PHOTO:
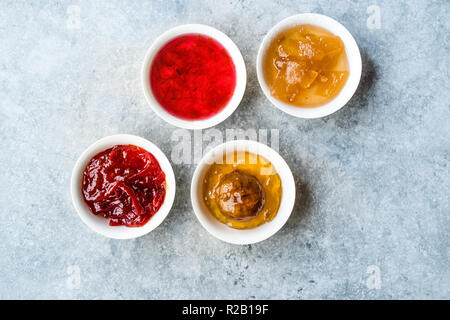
(193, 77)
(124, 184)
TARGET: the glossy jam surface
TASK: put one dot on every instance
(243, 191)
(241, 196)
(193, 77)
(306, 66)
(124, 184)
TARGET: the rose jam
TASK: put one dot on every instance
(193, 77)
(125, 184)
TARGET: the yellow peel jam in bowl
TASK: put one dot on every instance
(309, 65)
(306, 66)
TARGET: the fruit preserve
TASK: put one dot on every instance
(193, 77)
(242, 190)
(306, 66)
(124, 184)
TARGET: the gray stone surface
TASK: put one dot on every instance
(373, 179)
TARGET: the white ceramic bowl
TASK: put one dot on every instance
(233, 51)
(248, 236)
(353, 56)
(100, 224)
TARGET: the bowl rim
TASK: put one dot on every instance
(247, 236)
(100, 224)
(233, 51)
(353, 56)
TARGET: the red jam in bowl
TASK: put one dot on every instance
(125, 184)
(193, 77)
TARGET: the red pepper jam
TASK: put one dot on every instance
(193, 77)
(125, 184)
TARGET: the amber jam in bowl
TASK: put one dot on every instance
(309, 65)
(123, 186)
(242, 192)
(193, 76)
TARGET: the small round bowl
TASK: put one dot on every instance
(100, 224)
(353, 56)
(247, 236)
(233, 51)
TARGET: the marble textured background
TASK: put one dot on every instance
(373, 179)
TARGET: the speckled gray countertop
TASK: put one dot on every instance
(372, 214)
